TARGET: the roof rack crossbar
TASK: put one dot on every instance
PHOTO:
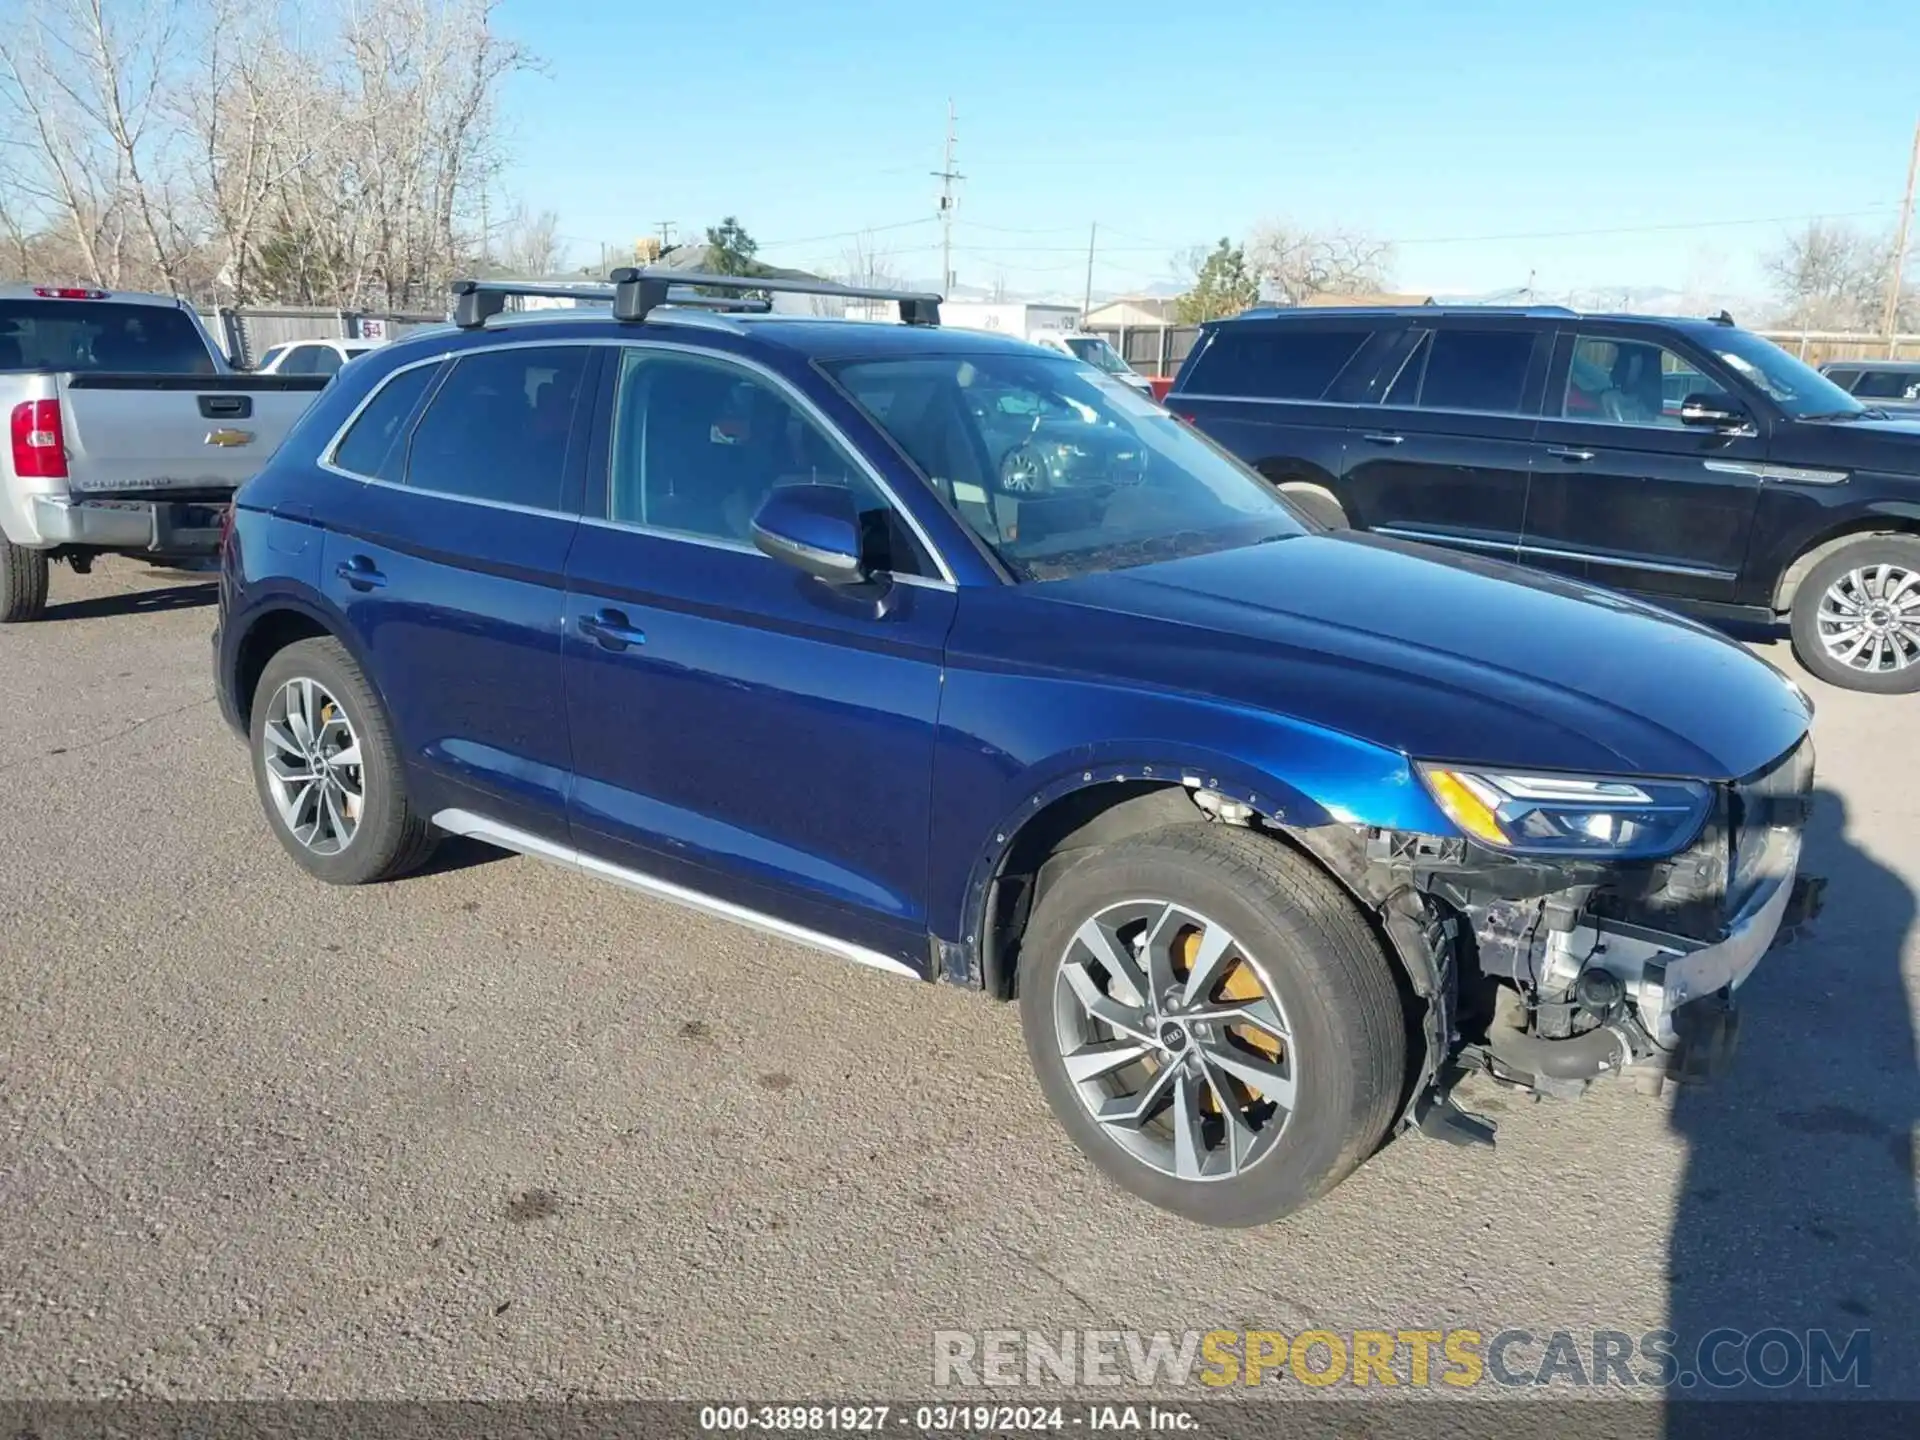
(637, 291)
(477, 301)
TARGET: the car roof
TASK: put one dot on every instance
(1307, 314)
(1897, 367)
(24, 290)
(813, 338)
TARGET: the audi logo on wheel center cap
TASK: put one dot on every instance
(1173, 1036)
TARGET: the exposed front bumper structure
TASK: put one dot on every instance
(161, 527)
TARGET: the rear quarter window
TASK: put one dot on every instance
(372, 445)
(1279, 362)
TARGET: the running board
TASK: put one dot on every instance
(478, 827)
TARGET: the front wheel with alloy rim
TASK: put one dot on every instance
(1213, 1021)
(1856, 616)
(328, 770)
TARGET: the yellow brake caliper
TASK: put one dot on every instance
(1240, 984)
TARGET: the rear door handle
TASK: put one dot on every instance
(611, 630)
(360, 573)
(1569, 454)
(1382, 437)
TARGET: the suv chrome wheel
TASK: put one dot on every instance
(1174, 1040)
(1869, 619)
(313, 768)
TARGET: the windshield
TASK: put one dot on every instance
(1798, 389)
(1097, 353)
(90, 335)
(1061, 469)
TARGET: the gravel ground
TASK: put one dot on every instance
(498, 1131)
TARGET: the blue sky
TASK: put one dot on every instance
(1451, 127)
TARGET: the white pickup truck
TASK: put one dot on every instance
(128, 433)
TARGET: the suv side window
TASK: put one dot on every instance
(1286, 361)
(1886, 385)
(369, 447)
(699, 444)
(326, 360)
(497, 429)
(1465, 370)
(1630, 382)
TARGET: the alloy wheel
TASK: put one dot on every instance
(313, 767)
(1175, 1040)
(1869, 619)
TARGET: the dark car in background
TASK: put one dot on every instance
(1687, 461)
(1889, 385)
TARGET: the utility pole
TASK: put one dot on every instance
(665, 227)
(486, 233)
(1890, 318)
(946, 175)
(1086, 303)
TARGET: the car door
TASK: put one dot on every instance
(450, 566)
(740, 730)
(1627, 494)
(1446, 456)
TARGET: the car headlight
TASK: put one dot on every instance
(1599, 816)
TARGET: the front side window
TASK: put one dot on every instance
(699, 445)
(497, 428)
(1059, 469)
(1097, 353)
(1465, 370)
(1631, 382)
(370, 447)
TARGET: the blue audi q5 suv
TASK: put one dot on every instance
(960, 659)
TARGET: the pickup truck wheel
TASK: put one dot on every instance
(1214, 1022)
(328, 769)
(23, 583)
(1856, 616)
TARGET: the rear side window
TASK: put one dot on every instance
(498, 426)
(1465, 370)
(1282, 362)
(369, 447)
(92, 335)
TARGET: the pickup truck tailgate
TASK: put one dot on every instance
(135, 435)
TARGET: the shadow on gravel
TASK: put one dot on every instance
(460, 852)
(1797, 1214)
(137, 602)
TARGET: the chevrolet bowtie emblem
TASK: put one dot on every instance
(229, 437)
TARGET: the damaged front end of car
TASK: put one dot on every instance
(1591, 927)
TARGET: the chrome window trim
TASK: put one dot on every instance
(465, 822)
(780, 383)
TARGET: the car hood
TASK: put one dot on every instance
(1446, 657)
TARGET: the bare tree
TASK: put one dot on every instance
(1296, 263)
(1830, 276)
(865, 264)
(531, 245)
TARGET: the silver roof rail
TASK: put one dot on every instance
(477, 301)
(637, 291)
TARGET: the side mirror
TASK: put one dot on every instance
(813, 528)
(1718, 412)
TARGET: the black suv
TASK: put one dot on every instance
(1686, 460)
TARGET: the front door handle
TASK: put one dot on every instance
(360, 573)
(611, 630)
(1382, 437)
(1570, 454)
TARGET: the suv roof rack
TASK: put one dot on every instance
(639, 290)
(635, 293)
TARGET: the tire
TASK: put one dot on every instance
(1303, 942)
(1865, 594)
(23, 583)
(1317, 504)
(347, 842)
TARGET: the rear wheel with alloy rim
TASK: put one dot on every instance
(1856, 616)
(328, 770)
(1213, 1021)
